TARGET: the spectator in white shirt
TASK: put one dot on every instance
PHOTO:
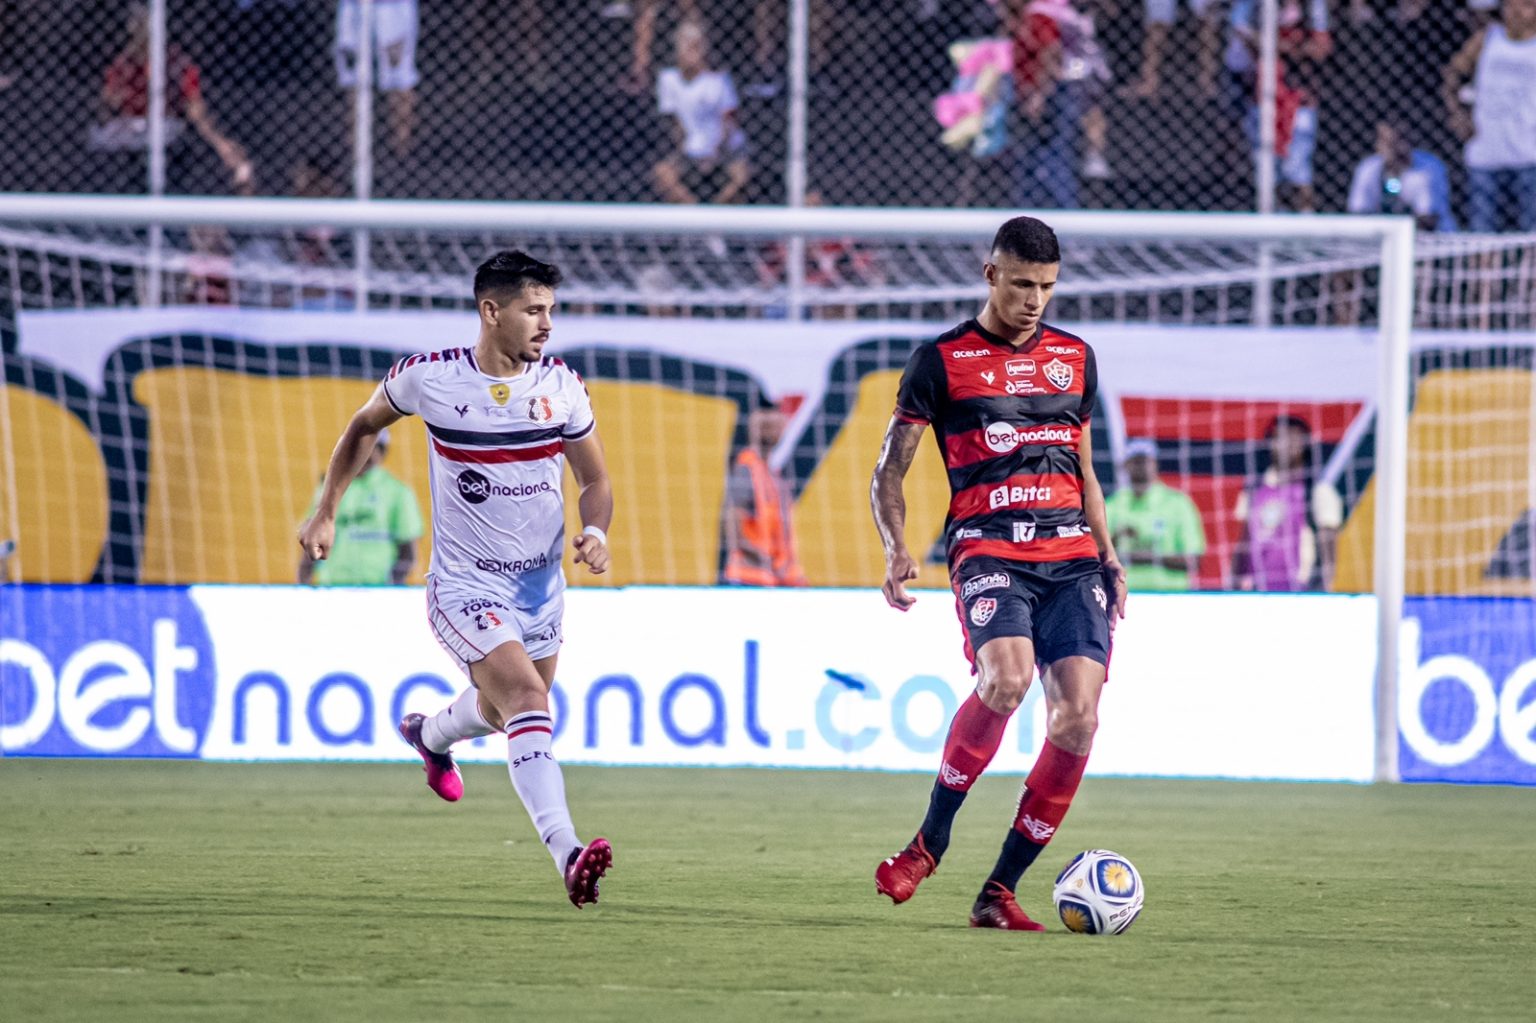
(708, 162)
(1500, 128)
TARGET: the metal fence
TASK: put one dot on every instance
(1049, 104)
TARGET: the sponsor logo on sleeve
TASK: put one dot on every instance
(983, 583)
(967, 534)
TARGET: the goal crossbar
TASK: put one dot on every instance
(640, 218)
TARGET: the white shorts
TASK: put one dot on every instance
(394, 29)
(471, 621)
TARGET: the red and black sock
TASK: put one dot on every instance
(974, 736)
(1048, 793)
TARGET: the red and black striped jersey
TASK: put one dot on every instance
(1009, 422)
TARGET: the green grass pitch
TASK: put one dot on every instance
(137, 891)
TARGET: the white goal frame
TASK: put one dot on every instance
(1393, 237)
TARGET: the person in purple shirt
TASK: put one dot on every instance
(1290, 518)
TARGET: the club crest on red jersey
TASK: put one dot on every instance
(983, 610)
(540, 410)
(1059, 374)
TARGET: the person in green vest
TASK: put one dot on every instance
(377, 526)
(1156, 529)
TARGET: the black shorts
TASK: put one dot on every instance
(1062, 605)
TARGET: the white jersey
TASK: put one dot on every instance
(1504, 111)
(701, 104)
(496, 461)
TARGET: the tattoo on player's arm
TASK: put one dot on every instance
(885, 493)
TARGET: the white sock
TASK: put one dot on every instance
(536, 777)
(456, 722)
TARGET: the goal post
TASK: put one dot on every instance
(938, 250)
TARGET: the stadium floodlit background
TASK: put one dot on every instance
(174, 378)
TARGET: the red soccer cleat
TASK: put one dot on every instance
(443, 775)
(997, 908)
(898, 876)
(587, 867)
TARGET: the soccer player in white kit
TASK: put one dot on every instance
(502, 418)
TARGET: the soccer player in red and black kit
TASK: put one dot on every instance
(1035, 575)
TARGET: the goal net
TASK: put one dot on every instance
(171, 394)
(181, 387)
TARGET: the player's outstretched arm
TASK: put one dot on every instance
(1098, 523)
(595, 504)
(889, 504)
(350, 455)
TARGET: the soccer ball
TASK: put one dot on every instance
(1099, 892)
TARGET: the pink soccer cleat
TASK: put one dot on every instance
(587, 867)
(997, 908)
(899, 875)
(443, 775)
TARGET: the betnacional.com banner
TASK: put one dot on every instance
(1229, 686)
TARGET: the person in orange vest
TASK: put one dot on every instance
(757, 533)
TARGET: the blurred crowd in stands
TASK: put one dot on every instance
(1425, 107)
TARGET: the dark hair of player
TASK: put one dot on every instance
(1027, 239)
(512, 270)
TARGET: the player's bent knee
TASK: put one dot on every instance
(1004, 691)
(1071, 726)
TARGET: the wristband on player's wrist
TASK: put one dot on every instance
(602, 537)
